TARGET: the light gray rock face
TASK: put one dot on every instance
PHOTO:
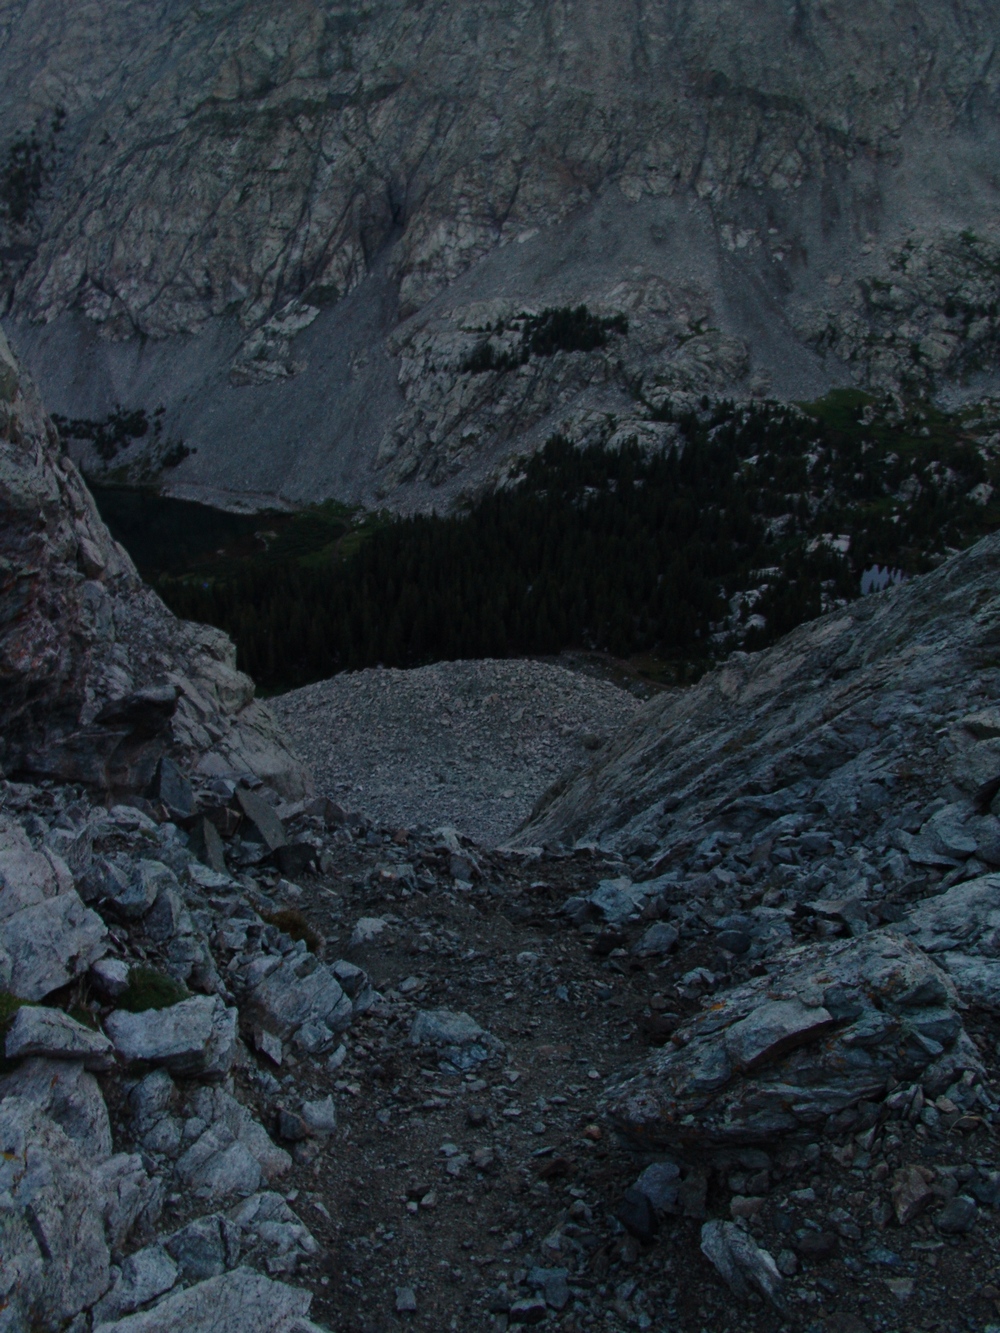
(64, 1093)
(98, 676)
(49, 1032)
(849, 715)
(960, 929)
(230, 1303)
(830, 1026)
(49, 944)
(748, 212)
(299, 995)
(196, 1036)
(56, 1256)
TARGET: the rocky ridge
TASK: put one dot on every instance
(100, 680)
(781, 201)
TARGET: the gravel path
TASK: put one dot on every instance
(473, 744)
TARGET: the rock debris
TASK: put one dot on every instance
(469, 744)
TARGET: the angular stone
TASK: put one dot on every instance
(49, 1032)
(911, 1192)
(659, 939)
(553, 1283)
(196, 1036)
(26, 878)
(217, 1166)
(271, 1231)
(660, 1183)
(66, 1094)
(300, 990)
(406, 1300)
(172, 789)
(207, 845)
(207, 1247)
(443, 1027)
(143, 1276)
(145, 881)
(261, 820)
(528, 1310)
(55, 1255)
(740, 1261)
(110, 977)
(957, 1216)
(637, 1215)
(51, 943)
(320, 1116)
(235, 1302)
(366, 930)
(131, 1199)
(772, 1030)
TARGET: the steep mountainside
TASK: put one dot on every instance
(314, 231)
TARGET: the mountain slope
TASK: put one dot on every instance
(867, 711)
(253, 199)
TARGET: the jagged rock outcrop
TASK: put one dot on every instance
(807, 185)
(98, 680)
(847, 727)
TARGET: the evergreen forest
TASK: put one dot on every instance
(756, 518)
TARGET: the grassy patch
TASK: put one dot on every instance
(149, 988)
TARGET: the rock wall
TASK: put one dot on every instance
(221, 180)
(887, 701)
(97, 678)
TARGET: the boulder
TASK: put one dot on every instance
(740, 1261)
(959, 930)
(261, 823)
(272, 1233)
(830, 1025)
(206, 1247)
(49, 1032)
(458, 1036)
(26, 878)
(300, 992)
(196, 1036)
(64, 1092)
(143, 1276)
(49, 944)
(231, 1303)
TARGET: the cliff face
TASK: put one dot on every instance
(793, 179)
(97, 678)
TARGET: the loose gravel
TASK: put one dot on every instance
(471, 744)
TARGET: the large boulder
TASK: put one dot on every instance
(44, 946)
(56, 1255)
(196, 1036)
(829, 1026)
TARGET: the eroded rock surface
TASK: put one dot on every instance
(714, 176)
(99, 679)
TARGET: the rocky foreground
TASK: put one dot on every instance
(713, 1045)
(263, 1053)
